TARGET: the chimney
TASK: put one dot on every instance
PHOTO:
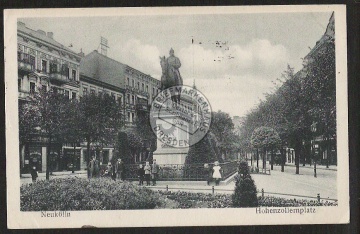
(22, 24)
(50, 35)
(41, 32)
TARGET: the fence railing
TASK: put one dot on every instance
(261, 192)
(181, 172)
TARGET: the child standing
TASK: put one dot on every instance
(217, 173)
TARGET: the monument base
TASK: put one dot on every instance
(170, 158)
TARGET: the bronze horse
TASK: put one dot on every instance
(170, 78)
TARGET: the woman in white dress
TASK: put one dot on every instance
(217, 173)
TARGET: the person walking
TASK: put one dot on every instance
(141, 174)
(119, 168)
(217, 173)
(91, 167)
(208, 173)
(34, 174)
(147, 170)
(154, 172)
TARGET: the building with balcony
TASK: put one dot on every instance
(44, 63)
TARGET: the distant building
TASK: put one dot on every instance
(99, 73)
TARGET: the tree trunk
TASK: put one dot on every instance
(303, 154)
(73, 159)
(264, 159)
(297, 155)
(47, 159)
(283, 158)
(88, 155)
(251, 158)
(327, 152)
(257, 158)
(272, 159)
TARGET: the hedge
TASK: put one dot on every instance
(83, 194)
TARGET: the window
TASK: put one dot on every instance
(85, 90)
(32, 87)
(32, 61)
(142, 86)
(67, 94)
(129, 117)
(138, 85)
(44, 66)
(44, 88)
(128, 81)
(147, 88)
(132, 99)
(19, 84)
(113, 96)
(74, 74)
(53, 68)
(133, 83)
(119, 99)
(92, 91)
(67, 73)
(132, 117)
(128, 98)
(73, 95)
(153, 92)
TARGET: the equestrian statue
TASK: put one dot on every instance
(171, 74)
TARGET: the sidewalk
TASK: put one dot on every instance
(321, 167)
(57, 173)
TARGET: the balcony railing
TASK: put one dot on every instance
(24, 61)
(57, 76)
(23, 94)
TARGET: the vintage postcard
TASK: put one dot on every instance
(176, 116)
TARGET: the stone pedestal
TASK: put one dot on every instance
(176, 151)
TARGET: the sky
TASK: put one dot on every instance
(234, 59)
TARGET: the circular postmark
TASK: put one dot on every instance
(180, 116)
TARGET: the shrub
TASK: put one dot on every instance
(82, 194)
(245, 194)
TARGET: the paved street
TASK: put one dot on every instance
(286, 182)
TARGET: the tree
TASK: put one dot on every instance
(47, 108)
(100, 118)
(122, 148)
(319, 87)
(202, 152)
(223, 129)
(143, 129)
(265, 138)
(71, 130)
(245, 194)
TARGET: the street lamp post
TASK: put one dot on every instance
(313, 130)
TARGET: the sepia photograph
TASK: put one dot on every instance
(176, 116)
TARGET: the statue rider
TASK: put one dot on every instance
(175, 64)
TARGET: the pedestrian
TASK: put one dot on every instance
(113, 172)
(147, 170)
(34, 174)
(96, 168)
(141, 174)
(154, 172)
(119, 168)
(208, 173)
(91, 167)
(217, 173)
